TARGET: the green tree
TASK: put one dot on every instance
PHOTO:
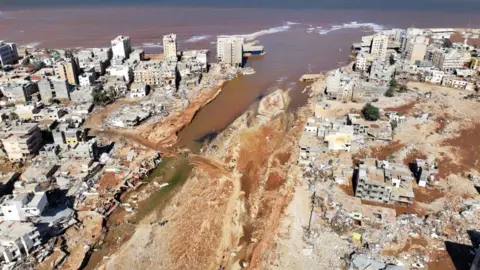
(392, 60)
(403, 88)
(13, 116)
(99, 97)
(390, 92)
(393, 83)
(371, 112)
(447, 43)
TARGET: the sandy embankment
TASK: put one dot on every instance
(229, 210)
(157, 136)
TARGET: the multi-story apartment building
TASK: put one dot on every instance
(124, 72)
(447, 60)
(86, 79)
(379, 47)
(52, 88)
(384, 182)
(121, 47)
(362, 61)
(230, 50)
(155, 72)
(22, 141)
(20, 91)
(21, 206)
(170, 46)
(8, 53)
(410, 34)
(415, 49)
(67, 70)
(97, 59)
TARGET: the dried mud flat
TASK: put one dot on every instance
(442, 127)
(228, 211)
(242, 205)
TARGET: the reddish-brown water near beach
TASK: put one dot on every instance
(290, 49)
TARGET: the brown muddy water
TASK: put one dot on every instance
(290, 52)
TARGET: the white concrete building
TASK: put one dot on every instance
(138, 90)
(8, 53)
(415, 49)
(123, 72)
(447, 60)
(22, 206)
(28, 111)
(441, 33)
(86, 79)
(396, 34)
(121, 47)
(363, 61)
(379, 46)
(409, 35)
(454, 82)
(17, 239)
(170, 46)
(434, 76)
(230, 50)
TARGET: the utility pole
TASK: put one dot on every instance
(311, 211)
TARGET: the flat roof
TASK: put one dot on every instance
(12, 230)
(35, 200)
(7, 177)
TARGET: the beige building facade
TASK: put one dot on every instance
(67, 70)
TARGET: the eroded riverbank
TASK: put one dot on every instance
(227, 212)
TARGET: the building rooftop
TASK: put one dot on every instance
(35, 200)
(309, 139)
(7, 177)
(12, 230)
(38, 168)
(379, 214)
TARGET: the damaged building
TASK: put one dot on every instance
(384, 182)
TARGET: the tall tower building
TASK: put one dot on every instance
(415, 49)
(170, 46)
(379, 47)
(230, 50)
(67, 70)
(121, 47)
(8, 53)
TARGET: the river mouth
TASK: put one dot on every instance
(121, 225)
(239, 95)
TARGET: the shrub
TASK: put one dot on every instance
(370, 112)
(402, 89)
(390, 92)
